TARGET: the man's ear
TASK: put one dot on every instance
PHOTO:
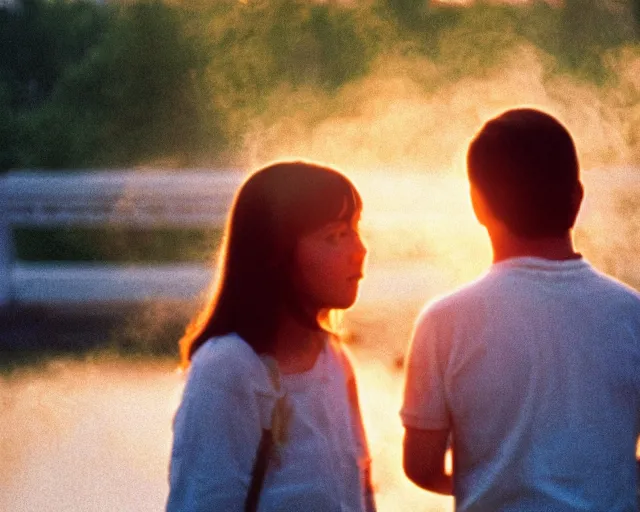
(577, 196)
(480, 206)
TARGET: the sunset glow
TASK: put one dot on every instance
(388, 92)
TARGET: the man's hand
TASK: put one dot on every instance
(423, 459)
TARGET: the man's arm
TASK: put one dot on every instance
(423, 459)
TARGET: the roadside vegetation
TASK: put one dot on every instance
(184, 83)
(178, 83)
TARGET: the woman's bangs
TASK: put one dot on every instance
(336, 201)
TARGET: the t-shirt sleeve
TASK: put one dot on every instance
(424, 405)
(217, 429)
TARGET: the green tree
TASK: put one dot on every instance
(39, 40)
(257, 46)
(8, 129)
(316, 44)
(588, 28)
(408, 12)
(635, 7)
(139, 94)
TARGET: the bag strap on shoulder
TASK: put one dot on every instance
(270, 437)
(259, 471)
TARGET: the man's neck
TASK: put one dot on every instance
(507, 246)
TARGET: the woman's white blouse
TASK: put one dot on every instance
(229, 398)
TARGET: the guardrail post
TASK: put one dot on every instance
(6, 264)
(6, 251)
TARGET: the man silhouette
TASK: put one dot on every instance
(533, 370)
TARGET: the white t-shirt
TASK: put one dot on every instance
(229, 398)
(535, 368)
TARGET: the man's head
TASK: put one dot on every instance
(523, 164)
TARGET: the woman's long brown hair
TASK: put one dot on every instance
(272, 209)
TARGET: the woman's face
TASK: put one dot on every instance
(329, 264)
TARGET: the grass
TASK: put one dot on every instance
(35, 336)
(15, 362)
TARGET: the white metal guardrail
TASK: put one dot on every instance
(193, 198)
(148, 199)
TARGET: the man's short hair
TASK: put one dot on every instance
(525, 165)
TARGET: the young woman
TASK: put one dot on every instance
(269, 419)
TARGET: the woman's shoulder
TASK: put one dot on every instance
(342, 355)
(229, 347)
(230, 361)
